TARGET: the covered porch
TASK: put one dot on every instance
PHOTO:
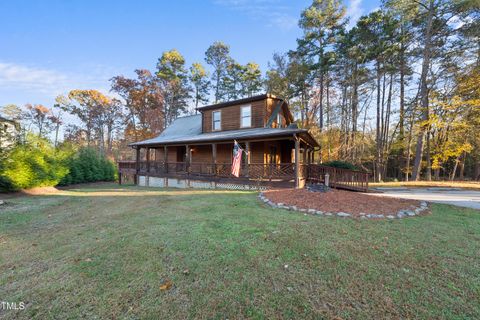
(275, 162)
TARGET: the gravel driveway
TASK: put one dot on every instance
(454, 196)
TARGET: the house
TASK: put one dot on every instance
(9, 132)
(197, 150)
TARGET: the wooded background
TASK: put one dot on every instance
(397, 94)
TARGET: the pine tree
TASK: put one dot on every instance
(174, 83)
(200, 83)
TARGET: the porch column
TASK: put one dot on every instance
(247, 150)
(187, 158)
(214, 158)
(304, 155)
(297, 162)
(148, 159)
(165, 159)
(137, 165)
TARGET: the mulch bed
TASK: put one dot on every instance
(340, 201)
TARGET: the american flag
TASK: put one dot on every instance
(237, 159)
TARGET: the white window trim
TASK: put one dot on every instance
(213, 120)
(241, 116)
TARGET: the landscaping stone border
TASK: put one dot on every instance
(404, 213)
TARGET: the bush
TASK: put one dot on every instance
(87, 165)
(340, 164)
(37, 163)
(33, 164)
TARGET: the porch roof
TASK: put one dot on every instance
(189, 130)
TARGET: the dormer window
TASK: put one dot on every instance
(217, 120)
(246, 116)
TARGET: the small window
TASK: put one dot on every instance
(246, 116)
(217, 120)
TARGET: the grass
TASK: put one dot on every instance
(105, 252)
(473, 185)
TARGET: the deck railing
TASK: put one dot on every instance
(282, 171)
(338, 178)
(314, 173)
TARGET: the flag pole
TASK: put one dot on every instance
(239, 146)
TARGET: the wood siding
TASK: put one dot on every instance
(172, 154)
(231, 116)
(260, 152)
(203, 153)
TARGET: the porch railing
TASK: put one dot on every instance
(338, 178)
(313, 173)
(282, 171)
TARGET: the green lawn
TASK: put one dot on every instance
(106, 251)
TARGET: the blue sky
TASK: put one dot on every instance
(50, 47)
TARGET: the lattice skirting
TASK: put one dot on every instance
(145, 181)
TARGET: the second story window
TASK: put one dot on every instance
(217, 121)
(246, 116)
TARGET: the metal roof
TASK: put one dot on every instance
(189, 130)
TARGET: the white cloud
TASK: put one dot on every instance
(50, 82)
(354, 12)
(273, 11)
(20, 76)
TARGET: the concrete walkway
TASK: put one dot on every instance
(454, 196)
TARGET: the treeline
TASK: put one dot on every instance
(397, 93)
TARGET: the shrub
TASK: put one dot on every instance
(33, 164)
(36, 163)
(341, 165)
(87, 165)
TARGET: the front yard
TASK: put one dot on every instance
(127, 252)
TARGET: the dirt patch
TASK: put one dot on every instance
(340, 201)
(39, 191)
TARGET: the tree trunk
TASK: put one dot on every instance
(428, 169)
(386, 147)
(322, 76)
(476, 171)
(57, 128)
(328, 119)
(109, 140)
(424, 93)
(378, 135)
(409, 148)
(454, 171)
(320, 117)
(462, 166)
(401, 136)
(354, 111)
